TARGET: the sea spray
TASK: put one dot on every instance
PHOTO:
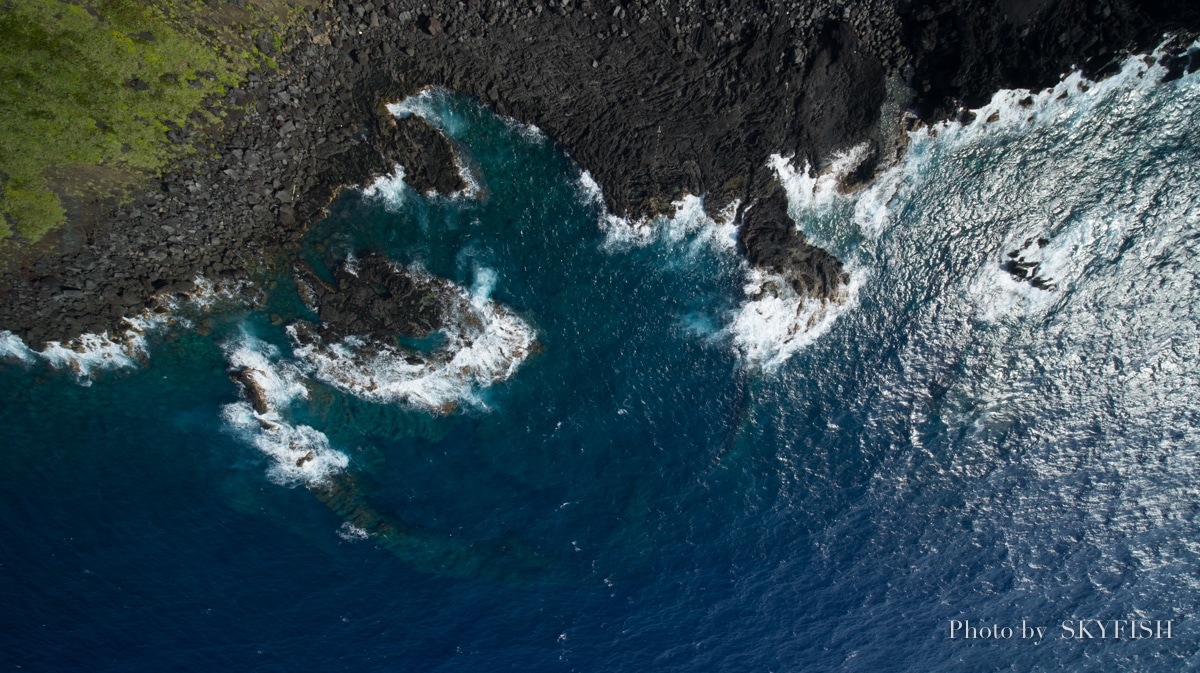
(390, 189)
(88, 353)
(775, 322)
(299, 453)
(484, 343)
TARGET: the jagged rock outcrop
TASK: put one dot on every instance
(657, 98)
(771, 241)
(371, 298)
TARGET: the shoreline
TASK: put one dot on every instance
(653, 99)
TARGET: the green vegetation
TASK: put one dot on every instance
(91, 89)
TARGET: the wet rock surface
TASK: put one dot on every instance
(247, 379)
(371, 298)
(1023, 265)
(771, 241)
(656, 98)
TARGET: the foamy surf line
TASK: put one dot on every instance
(485, 344)
(1068, 249)
(808, 191)
(390, 189)
(299, 453)
(689, 222)
(1072, 101)
(776, 322)
(89, 353)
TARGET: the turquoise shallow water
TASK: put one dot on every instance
(675, 482)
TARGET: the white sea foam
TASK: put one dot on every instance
(280, 382)
(431, 105)
(872, 211)
(1073, 101)
(390, 189)
(809, 192)
(529, 132)
(485, 343)
(89, 353)
(776, 322)
(1079, 236)
(473, 186)
(621, 233)
(207, 294)
(1064, 258)
(13, 348)
(351, 533)
(689, 222)
(689, 219)
(485, 282)
(588, 189)
(301, 454)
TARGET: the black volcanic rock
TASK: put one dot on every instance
(1024, 266)
(656, 98)
(373, 299)
(426, 155)
(964, 51)
(842, 92)
(770, 240)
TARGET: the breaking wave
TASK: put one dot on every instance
(484, 343)
(390, 189)
(89, 353)
(299, 453)
(775, 322)
(689, 221)
(807, 191)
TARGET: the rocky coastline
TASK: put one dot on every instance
(656, 98)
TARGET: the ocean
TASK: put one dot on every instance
(633, 452)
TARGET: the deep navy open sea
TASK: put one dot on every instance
(698, 472)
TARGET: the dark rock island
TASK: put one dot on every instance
(657, 99)
(370, 298)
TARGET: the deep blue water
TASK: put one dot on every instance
(674, 483)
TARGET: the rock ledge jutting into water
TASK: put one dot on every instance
(391, 334)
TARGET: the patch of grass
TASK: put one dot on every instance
(102, 82)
